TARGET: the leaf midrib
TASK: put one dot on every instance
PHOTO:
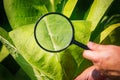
(50, 33)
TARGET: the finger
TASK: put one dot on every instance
(93, 46)
(90, 73)
(91, 55)
(86, 75)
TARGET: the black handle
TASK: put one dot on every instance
(80, 45)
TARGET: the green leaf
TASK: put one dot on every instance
(114, 37)
(53, 66)
(81, 10)
(107, 31)
(22, 12)
(97, 10)
(37, 63)
(82, 30)
(29, 69)
(52, 32)
(110, 26)
(69, 7)
(3, 53)
(3, 19)
(51, 5)
(4, 34)
(27, 46)
(82, 34)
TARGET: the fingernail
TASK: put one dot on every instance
(90, 43)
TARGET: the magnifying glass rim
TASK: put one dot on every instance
(36, 33)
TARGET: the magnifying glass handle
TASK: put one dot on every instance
(81, 45)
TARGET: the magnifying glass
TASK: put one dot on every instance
(54, 32)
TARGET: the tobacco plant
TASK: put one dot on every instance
(93, 20)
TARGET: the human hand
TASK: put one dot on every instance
(106, 58)
(91, 73)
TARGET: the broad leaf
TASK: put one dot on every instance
(42, 65)
(22, 12)
(53, 66)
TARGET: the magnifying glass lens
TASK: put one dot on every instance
(53, 32)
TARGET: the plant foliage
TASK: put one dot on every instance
(92, 19)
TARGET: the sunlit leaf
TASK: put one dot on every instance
(50, 31)
(52, 65)
(22, 12)
(97, 10)
(69, 7)
(51, 5)
(38, 63)
(107, 31)
(3, 53)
